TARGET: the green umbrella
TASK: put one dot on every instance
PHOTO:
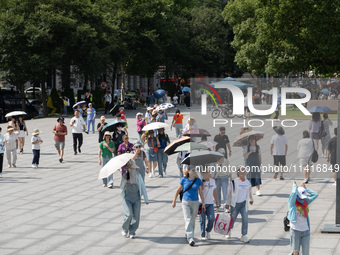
(191, 146)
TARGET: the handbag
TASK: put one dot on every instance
(315, 156)
(286, 222)
(223, 223)
(322, 132)
(181, 193)
(155, 149)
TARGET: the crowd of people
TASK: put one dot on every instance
(205, 191)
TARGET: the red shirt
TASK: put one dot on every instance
(122, 114)
(60, 129)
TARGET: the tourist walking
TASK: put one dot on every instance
(161, 116)
(118, 135)
(181, 155)
(77, 124)
(60, 130)
(133, 188)
(108, 101)
(2, 150)
(36, 141)
(279, 148)
(151, 148)
(305, 150)
(191, 186)
(175, 100)
(106, 149)
(11, 145)
(22, 128)
(253, 158)
(91, 117)
(66, 102)
(314, 127)
(177, 122)
(210, 195)
(140, 124)
(298, 216)
(331, 154)
(148, 115)
(239, 196)
(162, 157)
(125, 147)
(140, 159)
(327, 123)
(223, 142)
(100, 127)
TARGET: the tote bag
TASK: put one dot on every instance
(222, 223)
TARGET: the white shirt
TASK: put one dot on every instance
(243, 190)
(175, 98)
(246, 101)
(253, 148)
(208, 191)
(279, 142)
(10, 141)
(305, 148)
(37, 145)
(78, 126)
(148, 117)
(168, 99)
(301, 223)
(108, 98)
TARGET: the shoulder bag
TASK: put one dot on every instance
(155, 149)
(315, 156)
(181, 193)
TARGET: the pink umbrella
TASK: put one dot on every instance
(196, 132)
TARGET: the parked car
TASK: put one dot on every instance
(10, 100)
(36, 103)
(29, 91)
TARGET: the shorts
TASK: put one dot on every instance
(279, 160)
(315, 136)
(22, 133)
(59, 145)
(305, 161)
(246, 109)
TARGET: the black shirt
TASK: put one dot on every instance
(101, 133)
(222, 141)
(332, 148)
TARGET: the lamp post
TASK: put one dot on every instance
(335, 228)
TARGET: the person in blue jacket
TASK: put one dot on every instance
(91, 117)
(298, 216)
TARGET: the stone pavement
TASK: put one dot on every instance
(61, 208)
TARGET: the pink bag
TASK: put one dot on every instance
(222, 223)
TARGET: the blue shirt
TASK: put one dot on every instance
(192, 193)
(2, 138)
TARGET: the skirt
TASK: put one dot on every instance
(315, 136)
(22, 133)
(151, 155)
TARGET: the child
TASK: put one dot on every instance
(239, 194)
(36, 141)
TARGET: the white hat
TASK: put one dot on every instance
(106, 133)
(35, 132)
(121, 108)
(138, 113)
(302, 193)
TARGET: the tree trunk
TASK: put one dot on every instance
(122, 84)
(66, 77)
(114, 73)
(44, 98)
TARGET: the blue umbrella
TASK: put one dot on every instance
(186, 89)
(325, 91)
(159, 93)
(319, 109)
(111, 126)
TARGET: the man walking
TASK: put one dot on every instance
(108, 101)
(279, 148)
(78, 125)
(100, 126)
(331, 154)
(223, 142)
(91, 117)
(60, 130)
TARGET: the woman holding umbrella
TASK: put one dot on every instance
(252, 155)
(106, 149)
(162, 158)
(314, 127)
(140, 124)
(133, 188)
(140, 159)
(22, 132)
(152, 145)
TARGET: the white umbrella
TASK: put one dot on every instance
(155, 125)
(209, 144)
(265, 91)
(15, 113)
(114, 165)
(165, 106)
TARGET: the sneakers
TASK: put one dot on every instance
(61, 160)
(228, 236)
(21, 151)
(14, 165)
(75, 153)
(281, 178)
(110, 186)
(79, 150)
(104, 185)
(203, 238)
(125, 233)
(305, 181)
(258, 193)
(34, 166)
(208, 235)
(132, 236)
(244, 239)
(9, 166)
(191, 242)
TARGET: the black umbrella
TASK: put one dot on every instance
(111, 126)
(199, 158)
(170, 149)
(115, 110)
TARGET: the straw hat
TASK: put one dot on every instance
(149, 108)
(131, 165)
(138, 113)
(106, 133)
(36, 132)
(10, 128)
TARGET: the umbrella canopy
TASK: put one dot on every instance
(155, 125)
(186, 89)
(114, 165)
(170, 149)
(199, 158)
(230, 81)
(196, 132)
(78, 103)
(319, 109)
(164, 106)
(242, 139)
(111, 126)
(159, 93)
(15, 113)
(115, 110)
(325, 91)
(209, 144)
(333, 84)
(265, 91)
(191, 146)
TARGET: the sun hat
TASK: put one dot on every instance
(279, 130)
(106, 133)
(9, 128)
(138, 113)
(131, 165)
(60, 118)
(121, 108)
(36, 132)
(138, 144)
(302, 193)
(149, 108)
(90, 104)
